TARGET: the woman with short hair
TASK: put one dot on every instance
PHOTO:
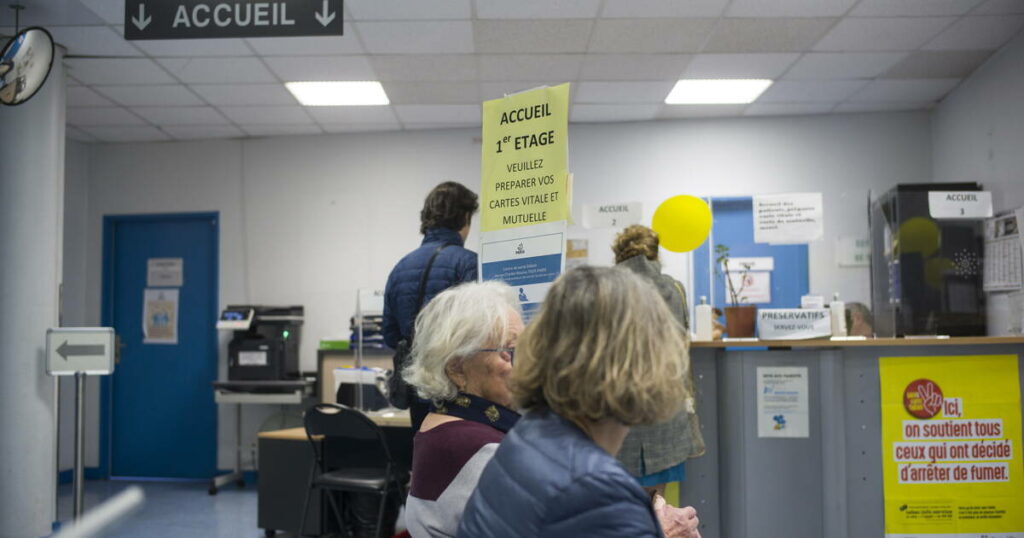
(604, 354)
(461, 361)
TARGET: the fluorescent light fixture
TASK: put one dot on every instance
(716, 91)
(349, 93)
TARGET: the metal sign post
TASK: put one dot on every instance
(79, 352)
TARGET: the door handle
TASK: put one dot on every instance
(118, 344)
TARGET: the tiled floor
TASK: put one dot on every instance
(175, 509)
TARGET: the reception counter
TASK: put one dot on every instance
(827, 484)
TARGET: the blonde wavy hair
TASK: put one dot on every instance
(604, 345)
(636, 240)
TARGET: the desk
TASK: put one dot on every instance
(285, 460)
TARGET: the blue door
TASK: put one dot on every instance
(733, 226)
(158, 411)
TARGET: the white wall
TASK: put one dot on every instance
(309, 220)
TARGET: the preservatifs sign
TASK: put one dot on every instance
(951, 434)
(524, 159)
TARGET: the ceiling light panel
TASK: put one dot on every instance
(716, 91)
(348, 93)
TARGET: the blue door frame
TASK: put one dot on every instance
(103, 471)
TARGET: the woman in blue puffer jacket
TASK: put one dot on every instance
(603, 354)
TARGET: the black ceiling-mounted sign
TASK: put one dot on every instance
(198, 19)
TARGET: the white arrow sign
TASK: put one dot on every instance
(323, 17)
(141, 21)
(80, 349)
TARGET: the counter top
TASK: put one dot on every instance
(398, 419)
(870, 342)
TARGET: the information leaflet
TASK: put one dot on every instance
(525, 191)
(951, 433)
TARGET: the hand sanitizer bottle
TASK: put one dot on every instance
(703, 321)
(837, 312)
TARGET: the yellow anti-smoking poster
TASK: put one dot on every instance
(951, 434)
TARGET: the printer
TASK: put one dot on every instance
(265, 345)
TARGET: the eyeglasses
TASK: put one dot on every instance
(510, 350)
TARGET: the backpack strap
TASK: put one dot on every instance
(423, 283)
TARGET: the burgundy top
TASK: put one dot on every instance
(440, 453)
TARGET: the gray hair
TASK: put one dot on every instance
(453, 326)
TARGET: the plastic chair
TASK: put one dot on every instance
(331, 429)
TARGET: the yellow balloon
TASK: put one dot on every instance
(919, 234)
(935, 269)
(682, 222)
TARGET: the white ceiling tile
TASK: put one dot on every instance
(440, 126)
(787, 109)
(843, 65)
(353, 114)
(663, 8)
(150, 95)
(313, 46)
(455, 114)
(245, 94)
(83, 96)
(112, 71)
(281, 130)
(883, 107)
(71, 81)
(92, 41)
(788, 8)
(916, 8)
(608, 113)
(633, 66)
(977, 33)
(494, 90)
(127, 134)
(183, 115)
(882, 34)
(111, 11)
(254, 115)
(623, 92)
(195, 47)
(425, 67)
(91, 116)
(999, 7)
(297, 68)
(766, 35)
(699, 111)
(517, 37)
(553, 67)
(361, 127)
(195, 132)
(432, 93)
(217, 70)
(649, 35)
(904, 91)
(417, 37)
(810, 91)
(50, 13)
(938, 64)
(537, 9)
(75, 133)
(739, 65)
(367, 10)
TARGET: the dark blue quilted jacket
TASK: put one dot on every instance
(454, 265)
(548, 479)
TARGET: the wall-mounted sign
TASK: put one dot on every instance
(787, 219)
(782, 402)
(853, 251)
(165, 272)
(200, 19)
(612, 215)
(160, 316)
(793, 323)
(756, 286)
(960, 204)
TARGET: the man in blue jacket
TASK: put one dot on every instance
(444, 222)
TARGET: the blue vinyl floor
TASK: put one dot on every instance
(175, 509)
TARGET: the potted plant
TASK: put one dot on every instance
(739, 318)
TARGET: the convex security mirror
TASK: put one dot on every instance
(24, 65)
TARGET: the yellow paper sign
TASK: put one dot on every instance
(524, 158)
(951, 434)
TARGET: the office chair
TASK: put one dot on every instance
(334, 430)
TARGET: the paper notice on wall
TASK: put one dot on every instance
(1003, 264)
(160, 316)
(165, 272)
(782, 402)
(617, 215)
(754, 287)
(786, 219)
(576, 253)
(853, 251)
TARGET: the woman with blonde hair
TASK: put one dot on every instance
(602, 356)
(656, 453)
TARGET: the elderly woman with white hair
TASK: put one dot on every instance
(461, 361)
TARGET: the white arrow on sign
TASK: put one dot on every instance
(141, 21)
(324, 18)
